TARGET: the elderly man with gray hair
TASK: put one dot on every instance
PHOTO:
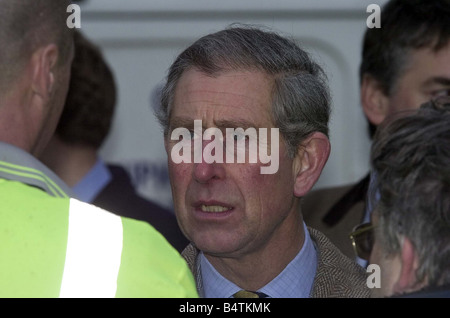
(248, 238)
(409, 236)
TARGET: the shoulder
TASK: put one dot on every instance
(19, 200)
(335, 212)
(337, 275)
(318, 202)
(150, 266)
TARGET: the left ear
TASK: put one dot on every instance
(311, 157)
(407, 281)
(43, 65)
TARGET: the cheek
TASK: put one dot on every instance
(269, 191)
(179, 175)
(375, 255)
(406, 99)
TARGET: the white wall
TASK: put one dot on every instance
(141, 38)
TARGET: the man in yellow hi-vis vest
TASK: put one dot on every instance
(53, 245)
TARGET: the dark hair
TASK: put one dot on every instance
(89, 107)
(411, 160)
(300, 97)
(26, 25)
(406, 25)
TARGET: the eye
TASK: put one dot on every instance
(193, 135)
(440, 93)
(239, 136)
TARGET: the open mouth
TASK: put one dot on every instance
(214, 208)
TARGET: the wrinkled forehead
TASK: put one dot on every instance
(241, 96)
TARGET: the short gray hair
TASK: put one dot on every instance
(411, 159)
(301, 102)
(24, 26)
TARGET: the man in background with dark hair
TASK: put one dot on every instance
(404, 64)
(72, 153)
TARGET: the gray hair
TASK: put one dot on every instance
(26, 25)
(301, 102)
(411, 159)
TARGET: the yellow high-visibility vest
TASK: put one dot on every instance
(61, 247)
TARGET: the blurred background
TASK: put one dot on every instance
(141, 38)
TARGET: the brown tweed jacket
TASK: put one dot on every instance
(337, 276)
(317, 206)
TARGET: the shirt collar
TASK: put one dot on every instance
(93, 182)
(295, 281)
(18, 165)
(373, 197)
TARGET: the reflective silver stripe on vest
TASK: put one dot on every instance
(94, 250)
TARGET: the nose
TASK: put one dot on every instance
(205, 172)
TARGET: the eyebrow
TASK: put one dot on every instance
(234, 123)
(445, 81)
(183, 122)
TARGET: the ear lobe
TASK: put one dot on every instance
(43, 64)
(373, 100)
(407, 280)
(311, 157)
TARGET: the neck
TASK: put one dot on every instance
(15, 126)
(69, 162)
(255, 270)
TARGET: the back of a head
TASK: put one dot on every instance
(91, 99)
(300, 93)
(26, 25)
(411, 157)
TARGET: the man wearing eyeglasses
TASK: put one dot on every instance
(409, 236)
(404, 64)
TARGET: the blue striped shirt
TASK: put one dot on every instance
(295, 281)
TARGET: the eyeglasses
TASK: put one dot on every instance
(438, 103)
(442, 102)
(362, 240)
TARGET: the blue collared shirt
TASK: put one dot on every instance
(295, 281)
(93, 182)
(373, 196)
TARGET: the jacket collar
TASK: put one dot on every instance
(18, 165)
(336, 276)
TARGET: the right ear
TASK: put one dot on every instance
(407, 279)
(373, 100)
(43, 64)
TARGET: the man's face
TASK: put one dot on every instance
(427, 76)
(230, 209)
